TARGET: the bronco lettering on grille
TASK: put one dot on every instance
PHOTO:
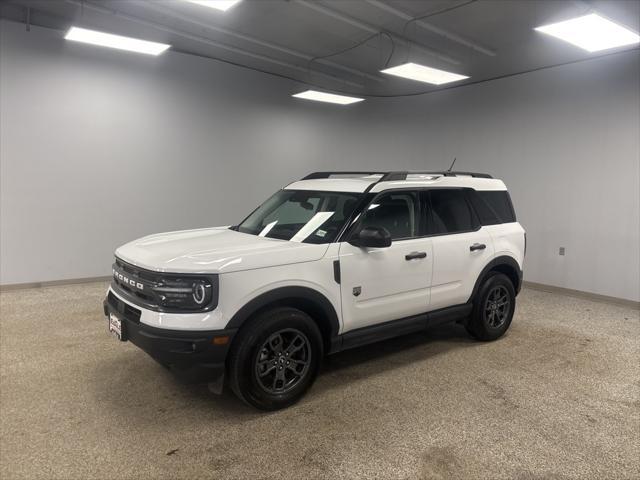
(126, 280)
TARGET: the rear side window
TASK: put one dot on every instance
(450, 212)
(496, 205)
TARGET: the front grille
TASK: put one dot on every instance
(139, 277)
(160, 291)
(135, 284)
(137, 272)
(129, 312)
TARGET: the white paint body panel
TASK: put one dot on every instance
(391, 287)
(508, 240)
(440, 181)
(456, 268)
(237, 288)
(355, 185)
(242, 287)
(214, 250)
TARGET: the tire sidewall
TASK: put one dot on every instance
(480, 326)
(261, 328)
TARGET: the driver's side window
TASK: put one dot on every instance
(396, 212)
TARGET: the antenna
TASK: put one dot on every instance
(452, 164)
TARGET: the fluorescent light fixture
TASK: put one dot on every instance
(591, 32)
(421, 73)
(115, 41)
(327, 97)
(223, 5)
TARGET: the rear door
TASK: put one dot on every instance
(461, 246)
(495, 211)
(382, 284)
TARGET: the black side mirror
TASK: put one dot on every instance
(372, 237)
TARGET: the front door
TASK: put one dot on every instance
(382, 284)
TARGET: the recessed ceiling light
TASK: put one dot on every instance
(327, 97)
(223, 5)
(425, 74)
(115, 41)
(591, 32)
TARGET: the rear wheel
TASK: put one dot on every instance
(275, 358)
(493, 308)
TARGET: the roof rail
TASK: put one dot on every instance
(316, 175)
(391, 176)
(403, 175)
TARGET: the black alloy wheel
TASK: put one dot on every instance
(283, 360)
(496, 307)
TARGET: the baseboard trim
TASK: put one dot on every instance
(581, 294)
(53, 283)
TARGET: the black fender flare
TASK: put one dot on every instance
(290, 295)
(505, 260)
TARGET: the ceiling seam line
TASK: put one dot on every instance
(498, 77)
(372, 29)
(168, 12)
(214, 43)
(437, 30)
(222, 60)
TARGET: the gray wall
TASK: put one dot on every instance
(567, 143)
(99, 147)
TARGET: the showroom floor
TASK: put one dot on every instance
(558, 397)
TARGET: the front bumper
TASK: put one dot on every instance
(197, 356)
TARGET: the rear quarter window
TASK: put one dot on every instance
(493, 207)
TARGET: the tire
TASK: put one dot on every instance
(275, 358)
(493, 308)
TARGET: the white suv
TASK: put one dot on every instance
(330, 262)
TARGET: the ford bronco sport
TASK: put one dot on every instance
(330, 262)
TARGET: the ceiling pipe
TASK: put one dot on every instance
(432, 28)
(339, 16)
(372, 29)
(171, 13)
(213, 43)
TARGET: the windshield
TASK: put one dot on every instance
(301, 216)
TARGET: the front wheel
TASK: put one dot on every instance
(493, 308)
(275, 358)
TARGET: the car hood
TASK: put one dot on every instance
(214, 250)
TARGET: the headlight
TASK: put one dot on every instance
(199, 294)
(184, 293)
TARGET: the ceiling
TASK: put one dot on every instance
(341, 45)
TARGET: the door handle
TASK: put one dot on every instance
(477, 246)
(414, 255)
